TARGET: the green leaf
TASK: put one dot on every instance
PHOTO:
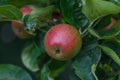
(52, 69)
(72, 76)
(94, 33)
(116, 40)
(56, 67)
(106, 70)
(41, 14)
(111, 53)
(45, 73)
(112, 32)
(37, 19)
(84, 63)
(71, 12)
(9, 12)
(11, 72)
(17, 3)
(93, 69)
(90, 26)
(29, 57)
(95, 9)
(118, 37)
(104, 21)
(115, 46)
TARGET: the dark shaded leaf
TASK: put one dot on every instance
(11, 72)
(85, 65)
(71, 11)
(29, 57)
(45, 73)
(56, 67)
(112, 32)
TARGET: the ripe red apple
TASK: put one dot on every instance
(62, 42)
(19, 31)
(18, 27)
(26, 10)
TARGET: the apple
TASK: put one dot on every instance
(19, 31)
(62, 42)
(113, 21)
(18, 27)
(26, 10)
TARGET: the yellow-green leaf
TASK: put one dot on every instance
(111, 53)
(94, 9)
(10, 12)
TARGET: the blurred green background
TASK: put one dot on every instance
(10, 45)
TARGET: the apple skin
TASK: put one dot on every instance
(113, 21)
(18, 27)
(19, 31)
(62, 42)
(26, 10)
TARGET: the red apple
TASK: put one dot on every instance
(19, 31)
(113, 21)
(62, 42)
(26, 10)
(18, 27)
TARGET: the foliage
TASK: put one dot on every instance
(11, 72)
(99, 57)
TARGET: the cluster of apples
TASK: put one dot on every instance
(18, 27)
(62, 41)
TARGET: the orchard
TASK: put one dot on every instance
(59, 40)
